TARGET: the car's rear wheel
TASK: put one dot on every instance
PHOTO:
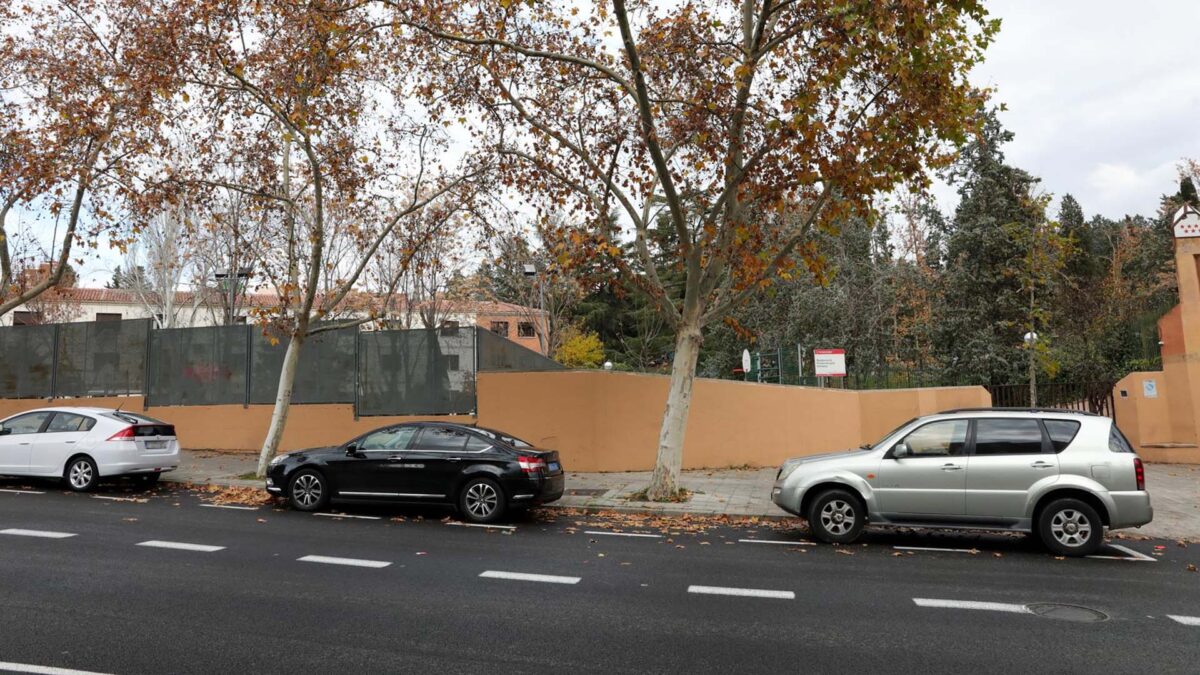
(837, 517)
(81, 474)
(481, 500)
(308, 491)
(1071, 527)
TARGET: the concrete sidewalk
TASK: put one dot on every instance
(1174, 488)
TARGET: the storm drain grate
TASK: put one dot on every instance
(1053, 610)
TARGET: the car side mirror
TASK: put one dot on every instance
(900, 451)
(352, 449)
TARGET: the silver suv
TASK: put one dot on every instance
(1063, 475)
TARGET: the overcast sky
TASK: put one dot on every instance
(1103, 96)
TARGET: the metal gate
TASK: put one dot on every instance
(1092, 397)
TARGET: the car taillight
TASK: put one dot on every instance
(1140, 472)
(122, 435)
(531, 464)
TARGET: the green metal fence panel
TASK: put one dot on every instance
(325, 373)
(417, 372)
(198, 366)
(499, 353)
(26, 361)
(101, 358)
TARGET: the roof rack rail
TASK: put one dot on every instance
(1025, 410)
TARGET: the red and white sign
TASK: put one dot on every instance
(829, 362)
(1187, 222)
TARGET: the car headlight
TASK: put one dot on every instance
(277, 459)
(787, 469)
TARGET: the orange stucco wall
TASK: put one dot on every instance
(598, 421)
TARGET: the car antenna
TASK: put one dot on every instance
(122, 403)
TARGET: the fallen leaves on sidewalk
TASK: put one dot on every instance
(236, 495)
(1191, 567)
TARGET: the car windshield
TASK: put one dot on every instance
(504, 438)
(887, 437)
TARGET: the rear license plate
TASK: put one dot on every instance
(155, 445)
(554, 467)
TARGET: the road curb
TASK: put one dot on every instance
(592, 509)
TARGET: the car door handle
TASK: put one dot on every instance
(951, 467)
(1042, 465)
(395, 458)
(454, 459)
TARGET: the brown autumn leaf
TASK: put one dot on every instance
(1191, 567)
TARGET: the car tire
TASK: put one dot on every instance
(837, 517)
(81, 474)
(1070, 527)
(481, 500)
(308, 490)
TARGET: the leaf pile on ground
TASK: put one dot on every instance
(239, 496)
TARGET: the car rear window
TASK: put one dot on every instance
(1062, 432)
(1117, 441)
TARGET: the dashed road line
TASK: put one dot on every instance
(181, 546)
(490, 527)
(742, 592)
(1133, 556)
(522, 576)
(351, 562)
(624, 534)
(44, 534)
(936, 549)
(345, 515)
(781, 542)
(230, 506)
(1185, 620)
(972, 604)
(41, 670)
(22, 492)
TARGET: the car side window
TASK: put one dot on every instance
(441, 438)
(1117, 441)
(997, 436)
(65, 422)
(1061, 433)
(395, 438)
(476, 444)
(945, 438)
(26, 424)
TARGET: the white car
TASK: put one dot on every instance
(83, 445)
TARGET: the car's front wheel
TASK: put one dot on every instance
(481, 500)
(837, 517)
(1071, 527)
(81, 474)
(308, 491)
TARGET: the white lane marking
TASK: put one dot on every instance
(623, 534)
(180, 546)
(490, 527)
(230, 506)
(742, 592)
(933, 548)
(1134, 556)
(118, 499)
(45, 534)
(972, 604)
(521, 576)
(345, 515)
(1185, 620)
(777, 541)
(23, 492)
(42, 670)
(352, 562)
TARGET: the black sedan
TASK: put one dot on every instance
(481, 471)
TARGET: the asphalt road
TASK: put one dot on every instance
(407, 592)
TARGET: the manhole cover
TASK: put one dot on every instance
(1053, 610)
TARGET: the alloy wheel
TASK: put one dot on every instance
(307, 490)
(837, 517)
(81, 474)
(482, 500)
(1070, 528)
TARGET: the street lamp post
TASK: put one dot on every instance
(531, 270)
(1031, 339)
(233, 279)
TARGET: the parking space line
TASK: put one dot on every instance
(345, 515)
(41, 670)
(742, 592)
(490, 527)
(623, 534)
(44, 534)
(230, 506)
(1133, 556)
(933, 548)
(777, 541)
(351, 562)
(1185, 620)
(522, 576)
(971, 604)
(180, 546)
(22, 492)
